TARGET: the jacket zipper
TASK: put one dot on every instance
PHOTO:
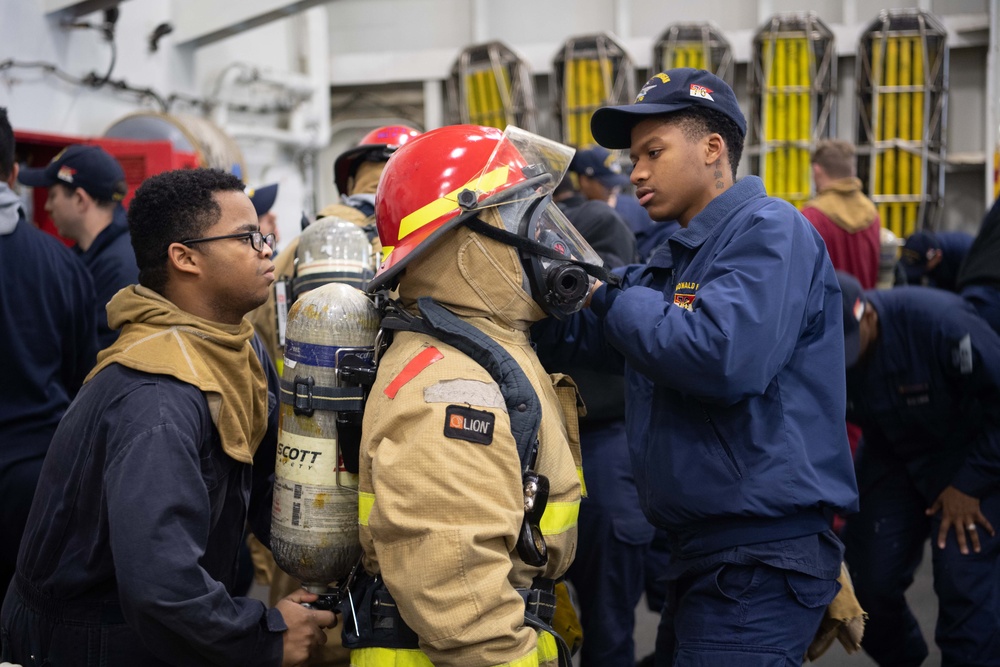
(725, 445)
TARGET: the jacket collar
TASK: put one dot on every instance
(719, 210)
(118, 226)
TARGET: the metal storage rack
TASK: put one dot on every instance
(591, 71)
(698, 45)
(793, 88)
(902, 92)
(491, 85)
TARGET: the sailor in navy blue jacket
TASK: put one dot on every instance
(86, 188)
(733, 347)
(926, 392)
(130, 552)
(735, 397)
(49, 339)
(111, 262)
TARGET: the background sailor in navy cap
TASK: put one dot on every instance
(601, 178)
(263, 199)
(933, 258)
(733, 347)
(86, 187)
(924, 385)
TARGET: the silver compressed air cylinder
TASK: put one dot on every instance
(314, 520)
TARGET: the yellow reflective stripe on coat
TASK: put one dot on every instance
(559, 517)
(389, 657)
(365, 503)
(546, 651)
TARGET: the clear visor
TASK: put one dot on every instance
(542, 157)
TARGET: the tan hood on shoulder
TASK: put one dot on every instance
(159, 338)
(843, 202)
(474, 277)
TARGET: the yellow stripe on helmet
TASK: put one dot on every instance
(435, 209)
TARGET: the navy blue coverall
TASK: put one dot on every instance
(132, 541)
(927, 396)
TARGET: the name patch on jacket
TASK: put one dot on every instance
(684, 295)
(464, 423)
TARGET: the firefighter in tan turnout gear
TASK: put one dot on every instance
(470, 478)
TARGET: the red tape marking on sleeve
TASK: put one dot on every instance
(412, 370)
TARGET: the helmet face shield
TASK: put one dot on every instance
(451, 175)
(534, 156)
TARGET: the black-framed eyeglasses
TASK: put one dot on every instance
(257, 240)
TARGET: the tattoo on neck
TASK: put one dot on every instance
(719, 185)
(718, 176)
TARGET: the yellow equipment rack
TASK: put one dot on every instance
(902, 75)
(698, 45)
(491, 85)
(793, 87)
(591, 71)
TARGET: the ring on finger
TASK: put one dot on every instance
(971, 526)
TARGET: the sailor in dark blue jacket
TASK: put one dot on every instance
(735, 400)
(935, 258)
(49, 339)
(86, 189)
(979, 276)
(924, 385)
(131, 547)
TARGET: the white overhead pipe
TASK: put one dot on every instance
(309, 122)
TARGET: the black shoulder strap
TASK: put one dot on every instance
(522, 402)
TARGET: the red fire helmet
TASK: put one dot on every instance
(443, 176)
(377, 145)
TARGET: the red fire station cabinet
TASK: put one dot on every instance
(139, 159)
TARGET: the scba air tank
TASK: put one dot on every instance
(314, 528)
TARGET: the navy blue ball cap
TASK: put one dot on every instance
(669, 91)
(855, 304)
(80, 166)
(599, 163)
(917, 250)
(263, 197)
